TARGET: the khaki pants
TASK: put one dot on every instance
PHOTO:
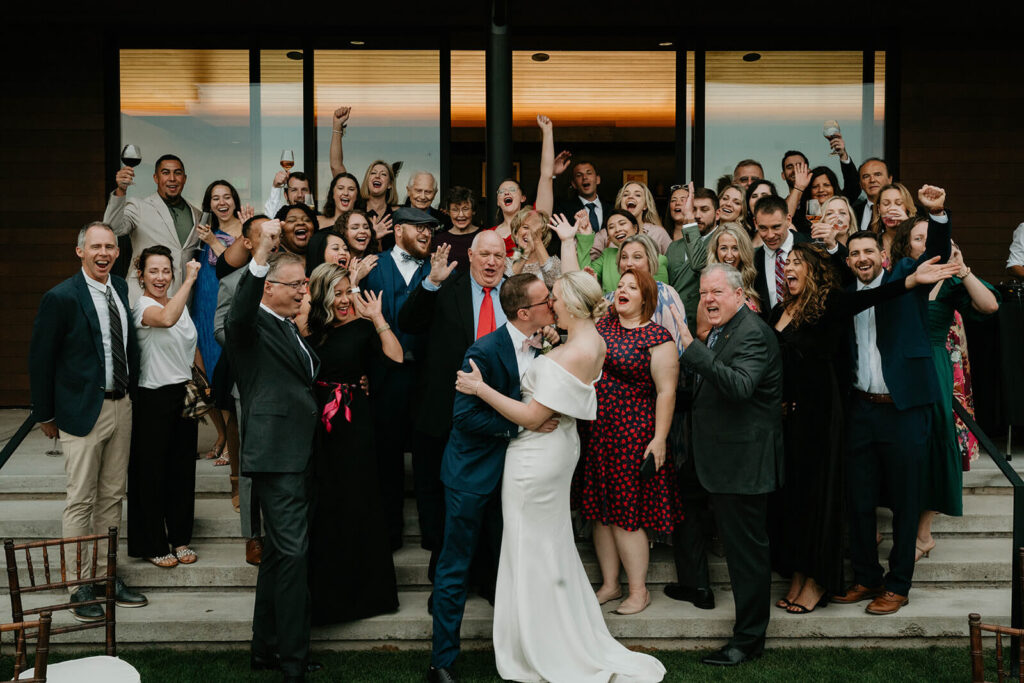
(97, 471)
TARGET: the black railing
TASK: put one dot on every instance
(999, 458)
(16, 440)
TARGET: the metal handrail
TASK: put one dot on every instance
(16, 440)
(999, 458)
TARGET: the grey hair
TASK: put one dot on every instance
(281, 259)
(480, 234)
(87, 226)
(417, 174)
(732, 276)
(650, 250)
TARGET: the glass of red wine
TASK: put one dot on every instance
(131, 156)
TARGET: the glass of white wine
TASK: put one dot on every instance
(831, 131)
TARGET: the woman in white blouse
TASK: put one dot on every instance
(162, 467)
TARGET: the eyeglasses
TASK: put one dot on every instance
(420, 227)
(677, 187)
(298, 285)
(548, 300)
(502, 193)
(748, 178)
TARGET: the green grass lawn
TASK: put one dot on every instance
(933, 664)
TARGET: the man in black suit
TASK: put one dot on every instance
(772, 220)
(585, 181)
(874, 175)
(275, 369)
(83, 363)
(737, 446)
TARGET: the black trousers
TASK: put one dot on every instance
(891, 446)
(427, 451)
(391, 394)
(161, 472)
(689, 538)
(281, 616)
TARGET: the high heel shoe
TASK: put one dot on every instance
(923, 552)
(797, 608)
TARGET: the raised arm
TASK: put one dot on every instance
(167, 316)
(368, 305)
(240, 327)
(566, 232)
(338, 127)
(983, 299)
(938, 242)
(800, 182)
(121, 215)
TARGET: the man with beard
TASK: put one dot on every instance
(298, 222)
(398, 273)
(700, 223)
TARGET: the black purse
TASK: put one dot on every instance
(647, 468)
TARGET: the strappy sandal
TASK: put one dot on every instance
(783, 603)
(164, 561)
(186, 555)
(214, 452)
(224, 459)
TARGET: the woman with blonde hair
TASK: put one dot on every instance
(838, 212)
(377, 197)
(532, 237)
(636, 198)
(732, 204)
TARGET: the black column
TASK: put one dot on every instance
(309, 121)
(499, 104)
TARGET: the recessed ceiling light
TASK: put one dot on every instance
(540, 56)
(294, 54)
(357, 42)
(667, 43)
(751, 57)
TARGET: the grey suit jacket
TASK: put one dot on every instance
(226, 292)
(737, 408)
(149, 223)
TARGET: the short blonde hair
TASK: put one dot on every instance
(582, 295)
(520, 218)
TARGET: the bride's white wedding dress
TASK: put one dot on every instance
(548, 625)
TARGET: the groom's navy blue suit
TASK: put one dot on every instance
(471, 473)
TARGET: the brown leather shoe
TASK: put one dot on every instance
(887, 603)
(856, 593)
(254, 551)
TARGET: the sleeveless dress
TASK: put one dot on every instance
(204, 303)
(548, 625)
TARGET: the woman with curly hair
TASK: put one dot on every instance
(806, 514)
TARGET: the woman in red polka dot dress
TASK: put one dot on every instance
(636, 398)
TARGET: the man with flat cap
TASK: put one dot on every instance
(398, 272)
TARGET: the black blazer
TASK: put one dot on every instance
(67, 371)
(737, 408)
(761, 283)
(570, 205)
(446, 316)
(279, 410)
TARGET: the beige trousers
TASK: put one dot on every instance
(97, 472)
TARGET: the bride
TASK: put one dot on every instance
(548, 625)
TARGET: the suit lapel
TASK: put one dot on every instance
(89, 309)
(507, 354)
(724, 337)
(161, 209)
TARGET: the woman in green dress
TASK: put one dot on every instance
(972, 298)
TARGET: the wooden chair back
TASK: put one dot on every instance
(40, 630)
(42, 577)
(1004, 669)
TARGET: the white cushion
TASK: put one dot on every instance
(100, 669)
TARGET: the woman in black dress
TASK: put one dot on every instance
(807, 512)
(351, 573)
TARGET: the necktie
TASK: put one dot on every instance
(485, 325)
(409, 257)
(713, 337)
(592, 210)
(780, 276)
(117, 352)
(293, 331)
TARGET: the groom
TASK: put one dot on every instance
(474, 458)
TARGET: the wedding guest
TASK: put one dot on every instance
(949, 301)
(161, 469)
(533, 237)
(675, 214)
(757, 189)
(838, 212)
(636, 199)
(700, 210)
(621, 225)
(732, 206)
(1015, 261)
(342, 195)
(746, 172)
(349, 333)
(461, 203)
(288, 187)
(631, 502)
(895, 205)
(378, 198)
(354, 227)
(297, 224)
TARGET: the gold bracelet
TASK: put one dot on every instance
(383, 328)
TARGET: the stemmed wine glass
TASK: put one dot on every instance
(55, 450)
(131, 156)
(287, 159)
(831, 131)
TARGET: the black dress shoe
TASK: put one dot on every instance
(729, 656)
(702, 598)
(440, 675)
(126, 597)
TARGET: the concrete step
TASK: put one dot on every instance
(933, 614)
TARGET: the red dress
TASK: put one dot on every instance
(607, 486)
(510, 244)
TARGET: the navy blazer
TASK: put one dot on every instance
(66, 365)
(387, 282)
(474, 458)
(901, 328)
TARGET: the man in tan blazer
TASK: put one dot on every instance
(162, 218)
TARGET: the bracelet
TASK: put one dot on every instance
(340, 132)
(799, 189)
(967, 271)
(383, 328)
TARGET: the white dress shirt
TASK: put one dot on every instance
(865, 219)
(769, 267)
(869, 359)
(98, 292)
(523, 357)
(406, 267)
(598, 210)
(1016, 248)
(261, 271)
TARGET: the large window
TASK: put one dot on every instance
(759, 105)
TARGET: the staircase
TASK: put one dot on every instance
(210, 603)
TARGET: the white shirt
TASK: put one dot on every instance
(261, 271)
(598, 211)
(166, 354)
(523, 357)
(406, 267)
(98, 292)
(769, 266)
(869, 359)
(1017, 248)
(865, 220)
(274, 202)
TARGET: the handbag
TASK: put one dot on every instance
(198, 397)
(648, 468)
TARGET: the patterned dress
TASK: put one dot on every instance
(607, 486)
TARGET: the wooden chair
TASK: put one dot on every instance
(41, 630)
(978, 661)
(38, 556)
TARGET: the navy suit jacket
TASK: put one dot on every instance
(66, 364)
(474, 458)
(389, 284)
(901, 328)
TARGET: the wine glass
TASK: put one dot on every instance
(831, 131)
(131, 155)
(310, 201)
(55, 450)
(287, 159)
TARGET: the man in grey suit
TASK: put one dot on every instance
(164, 217)
(737, 446)
(275, 369)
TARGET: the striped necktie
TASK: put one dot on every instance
(780, 276)
(117, 352)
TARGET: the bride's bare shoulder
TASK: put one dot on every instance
(583, 360)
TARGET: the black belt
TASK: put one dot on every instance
(113, 395)
(874, 398)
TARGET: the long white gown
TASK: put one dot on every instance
(548, 625)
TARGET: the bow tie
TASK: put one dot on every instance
(409, 257)
(533, 342)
